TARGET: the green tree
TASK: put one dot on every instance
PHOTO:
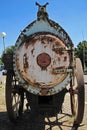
(81, 52)
(9, 50)
(1, 63)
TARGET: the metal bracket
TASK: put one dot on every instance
(58, 71)
(62, 49)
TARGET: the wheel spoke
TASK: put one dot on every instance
(16, 103)
(14, 98)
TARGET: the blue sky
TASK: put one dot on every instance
(15, 15)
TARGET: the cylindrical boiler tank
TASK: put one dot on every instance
(43, 56)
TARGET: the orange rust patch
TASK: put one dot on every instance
(44, 91)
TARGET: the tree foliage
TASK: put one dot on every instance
(9, 50)
(1, 63)
(81, 52)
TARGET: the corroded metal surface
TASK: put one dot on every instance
(36, 60)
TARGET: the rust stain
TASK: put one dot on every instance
(25, 62)
(59, 59)
(32, 51)
(59, 52)
(42, 41)
(44, 91)
(65, 58)
(37, 84)
(45, 46)
(31, 41)
(60, 43)
(54, 62)
(27, 44)
(61, 67)
(49, 39)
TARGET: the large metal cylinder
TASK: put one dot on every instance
(43, 57)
